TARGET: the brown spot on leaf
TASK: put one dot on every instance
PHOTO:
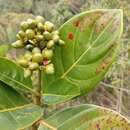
(89, 20)
(103, 22)
(70, 36)
(103, 66)
(98, 29)
(77, 23)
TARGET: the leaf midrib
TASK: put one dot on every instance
(73, 117)
(20, 83)
(91, 45)
(16, 108)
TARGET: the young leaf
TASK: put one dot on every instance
(15, 111)
(86, 117)
(91, 47)
(13, 75)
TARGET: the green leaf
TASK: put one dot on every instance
(10, 98)
(13, 75)
(86, 117)
(3, 50)
(91, 47)
(15, 111)
(19, 117)
(55, 99)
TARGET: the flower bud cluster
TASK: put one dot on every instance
(39, 38)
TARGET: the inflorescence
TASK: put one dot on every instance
(38, 37)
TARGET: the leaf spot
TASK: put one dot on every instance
(77, 23)
(70, 36)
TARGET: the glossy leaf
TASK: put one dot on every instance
(9, 98)
(91, 47)
(19, 117)
(86, 117)
(15, 111)
(13, 75)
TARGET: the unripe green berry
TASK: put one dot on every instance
(32, 23)
(47, 53)
(37, 57)
(49, 69)
(18, 44)
(39, 37)
(23, 63)
(56, 38)
(30, 33)
(50, 44)
(48, 26)
(28, 56)
(29, 47)
(61, 42)
(33, 66)
(47, 35)
(27, 73)
(40, 19)
(21, 34)
(24, 25)
(36, 50)
(40, 26)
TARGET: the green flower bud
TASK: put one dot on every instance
(18, 37)
(38, 33)
(37, 57)
(47, 35)
(39, 37)
(50, 44)
(40, 26)
(55, 32)
(49, 69)
(40, 19)
(18, 44)
(23, 63)
(61, 42)
(25, 40)
(33, 41)
(32, 23)
(36, 50)
(33, 66)
(48, 26)
(28, 56)
(24, 25)
(55, 38)
(27, 73)
(47, 53)
(29, 47)
(21, 34)
(30, 33)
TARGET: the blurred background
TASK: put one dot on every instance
(114, 91)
